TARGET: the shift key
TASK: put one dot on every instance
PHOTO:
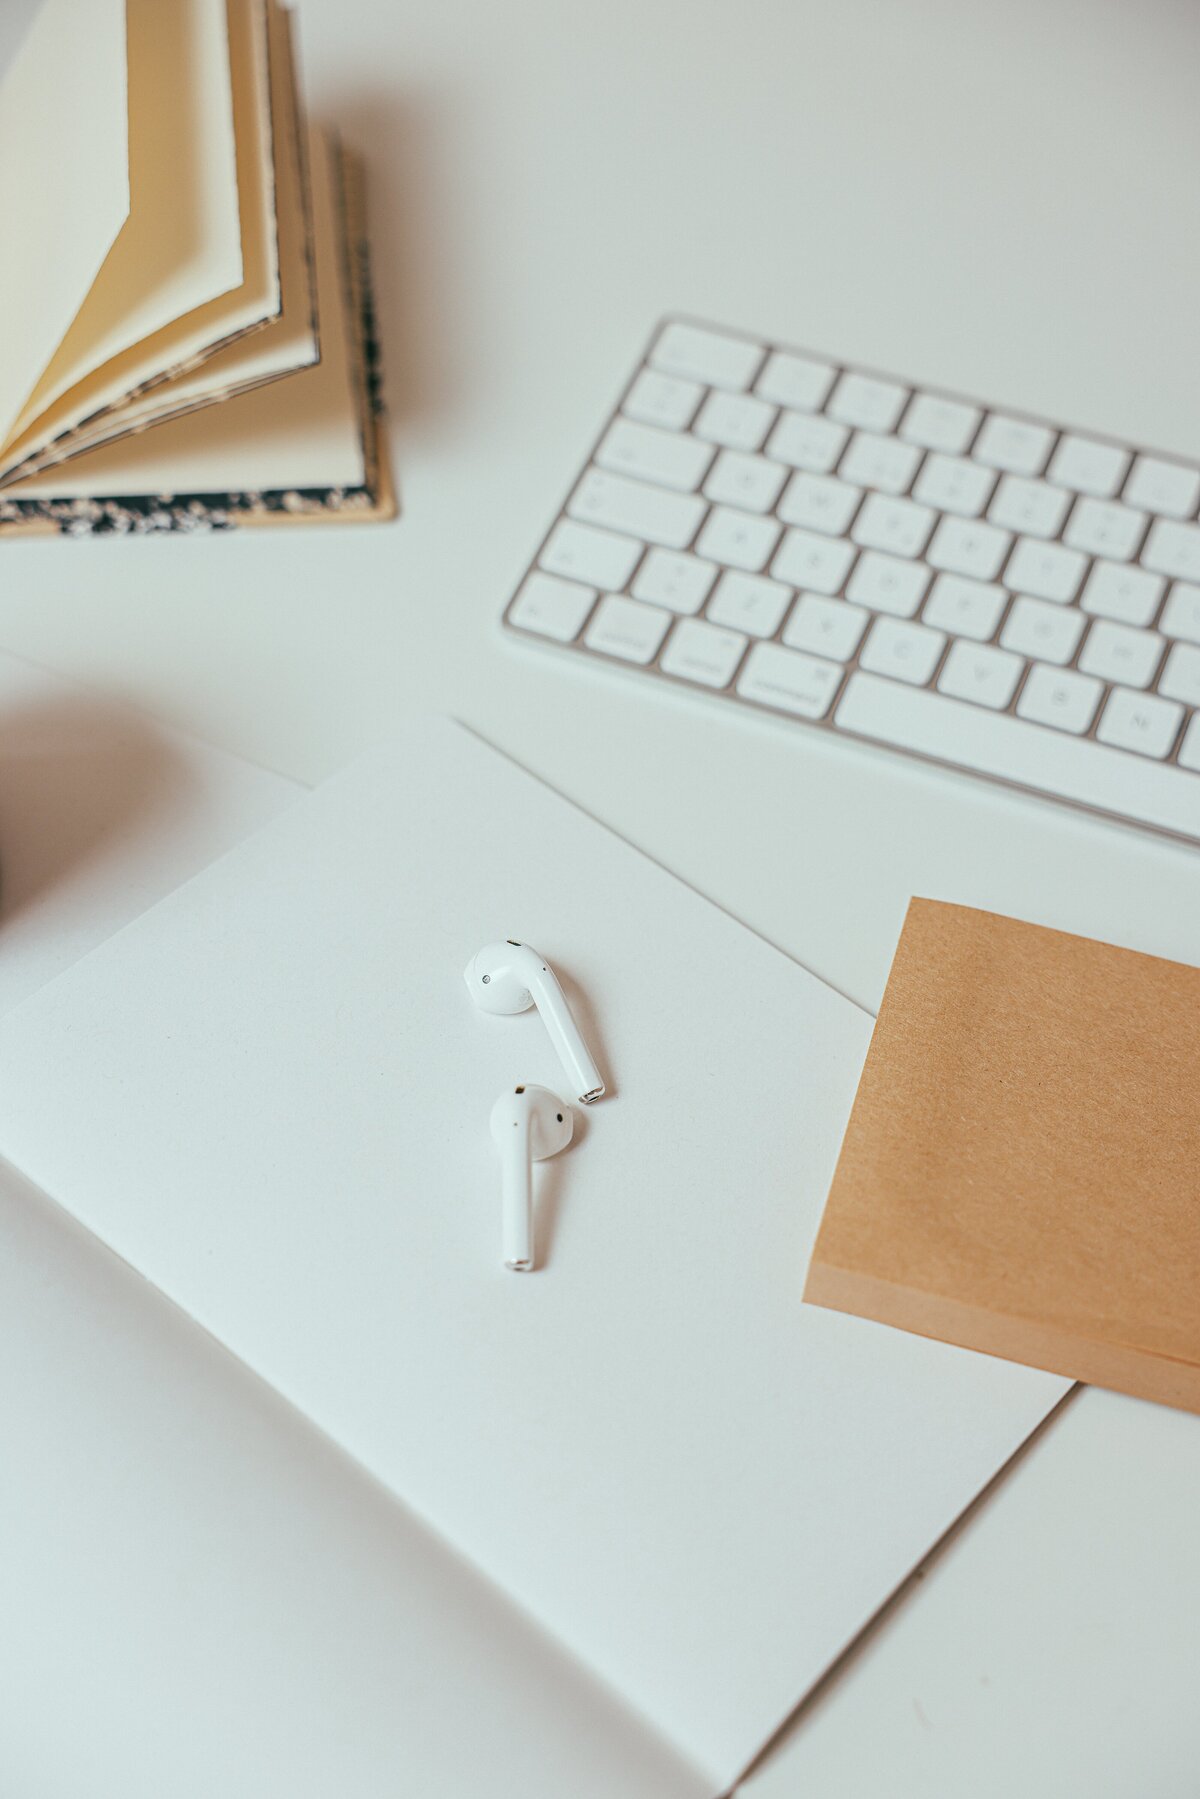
(619, 504)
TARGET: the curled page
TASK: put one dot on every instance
(66, 192)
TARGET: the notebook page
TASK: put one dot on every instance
(197, 263)
(59, 228)
(182, 242)
(303, 432)
(279, 1093)
(283, 344)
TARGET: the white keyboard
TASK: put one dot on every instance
(984, 590)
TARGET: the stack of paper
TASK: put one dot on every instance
(1020, 1170)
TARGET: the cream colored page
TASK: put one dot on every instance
(185, 343)
(66, 193)
(289, 342)
(182, 243)
(301, 432)
(281, 346)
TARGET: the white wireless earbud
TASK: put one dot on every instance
(510, 977)
(528, 1124)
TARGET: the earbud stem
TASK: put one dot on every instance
(516, 1178)
(586, 1080)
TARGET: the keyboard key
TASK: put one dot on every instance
(665, 400)
(1046, 570)
(965, 608)
(866, 401)
(668, 458)
(597, 558)
(952, 484)
(636, 508)
(738, 421)
(709, 356)
(1086, 466)
(880, 462)
(902, 652)
(995, 743)
(738, 538)
(1047, 633)
(1173, 549)
(1059, 697)
(803, 440)
(1031, 506)
(1105, 528)
(819, 503)
(888, 583)
(1121, 653)
(1180, 679)
(551, 607)
(1139, 722)
(796, 381)
(789, 681)
(806, 560)
(976, 672)
(901, 527)
(939, 424)
(1130, 595)
(702, 653)
(1167, 487)
(751, 603)
(738, 479)
(626, 628)
(674, 579)
(1181, 614)
(969, 547)
(1016, 445)
(1189, 749)
(831, 628)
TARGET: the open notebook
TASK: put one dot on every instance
(185, 323)
(692, 1488)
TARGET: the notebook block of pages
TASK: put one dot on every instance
(186, 333)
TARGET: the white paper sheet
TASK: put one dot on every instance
(278, 1095)
(202, 1596)
(142, 1461)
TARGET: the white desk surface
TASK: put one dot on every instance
(997, 199)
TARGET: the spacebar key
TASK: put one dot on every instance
(991, 743)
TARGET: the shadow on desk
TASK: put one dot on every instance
(79, 779)
(397, 139)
